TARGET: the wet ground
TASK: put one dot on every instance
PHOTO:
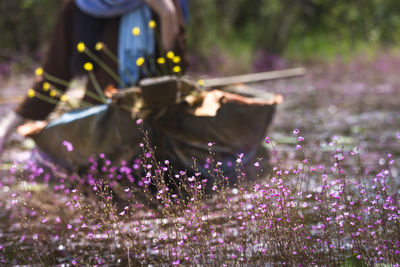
(358, 101)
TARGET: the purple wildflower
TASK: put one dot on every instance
(68, 145)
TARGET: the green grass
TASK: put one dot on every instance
(327, 47)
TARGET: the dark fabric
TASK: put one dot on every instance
(56, 63)
(110, 39)
(89, 30)
(101, 129)
(60, 61)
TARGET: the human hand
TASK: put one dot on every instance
(7, 126)
(168, 19)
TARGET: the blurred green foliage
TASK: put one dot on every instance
(26, 24)
(294, 27)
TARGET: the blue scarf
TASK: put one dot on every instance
(107, 8)
(130, 47)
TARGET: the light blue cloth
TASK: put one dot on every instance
(134, 13)
(107, 8)
(131, 47)
(78, 114)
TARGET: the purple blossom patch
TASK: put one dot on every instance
(68, 145)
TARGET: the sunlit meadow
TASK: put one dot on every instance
(330, 197)
(308, 214)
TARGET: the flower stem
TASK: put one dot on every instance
(55, 79)
(46, 98)
(97, 87)
(105, 67)
(111, 55)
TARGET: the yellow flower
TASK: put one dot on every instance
(200, 82)
(176, 69)
(53, 93)
(152, 24)
(160, 60)
(99, 46)
(136, 31)
(88, 66)
(176, 59)
(80, 47)
(64, 98)
(170, 54)
(39, 72)
(31, 93)
(46, 86)
(140, 61)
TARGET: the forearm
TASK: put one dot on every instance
(169, 32)
(168, 16)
